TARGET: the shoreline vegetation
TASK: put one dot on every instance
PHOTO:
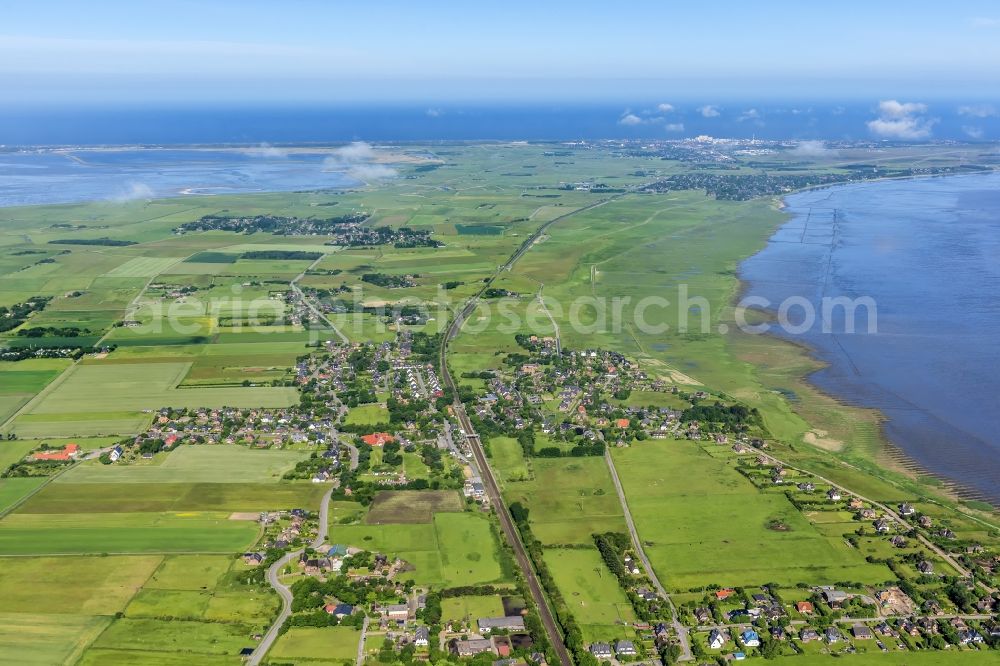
(881, 458)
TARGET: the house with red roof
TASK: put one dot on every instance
(68, 452)
(378, 439)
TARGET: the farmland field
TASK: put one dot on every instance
(570, 499)
(471, 608)
(34, 638)
(77, 586)
(13, 490)
(114, 496)
(310, 645)
(452, 549)
(591, 591)
(407, 506)
(58, 534)
(705, 524)
(135, 387)
(219, 463)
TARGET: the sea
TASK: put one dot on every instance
(926, 252)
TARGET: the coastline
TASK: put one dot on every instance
(887, 460)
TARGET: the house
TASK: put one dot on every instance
(898, 541)
(807, 635)
(724, 594)
(702, 615)
(421, 637)
(601, 651)
(835, 598)
(833, 495)
(116, 453)
(906, 509)
(832, 635)
(625, 649)
(925, 521)
(397, 611)
(881, 526)
(862, 632)
(716, 639)
(621, 423)
(925, 567)
(252, 559)
(509, 623)
(66, 453)
(378, 439)
(750, 638)
(805, 607)
(473, 647)
(339, 610)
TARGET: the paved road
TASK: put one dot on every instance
(361, 643)
(355, 456)
(555, 326)
(285, 592)
(309, 304)
(680, 629)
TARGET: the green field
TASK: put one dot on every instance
(367, 415)
(453, 549)
(117, 495)
(591, 591)
(42, 639)
(77, 586)
(508, 459)
(309, 645)
(14, 490)
(570, 499)
(221, 463)
(471, 608)
(134, 387)
(702, 523)
(81, 533)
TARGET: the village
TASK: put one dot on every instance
(556, 403)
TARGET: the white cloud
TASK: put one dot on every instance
(890, 108)
(674, 127)
(749, 114)
(357, 160)
(266, 150)
(812, 149)
(973, 132)
(978, 110)
(709, 111)
(433, 113)
(630, 119)
(901, 120)
(355, 152)
(370, 172)
(664, 107)
(134, 192)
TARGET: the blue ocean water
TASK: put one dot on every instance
(928, 252)
(767, 119)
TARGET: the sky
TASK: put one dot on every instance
(59, 52)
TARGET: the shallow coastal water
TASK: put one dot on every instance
(928, 252)
(69, 176)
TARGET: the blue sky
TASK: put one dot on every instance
(298, 51)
